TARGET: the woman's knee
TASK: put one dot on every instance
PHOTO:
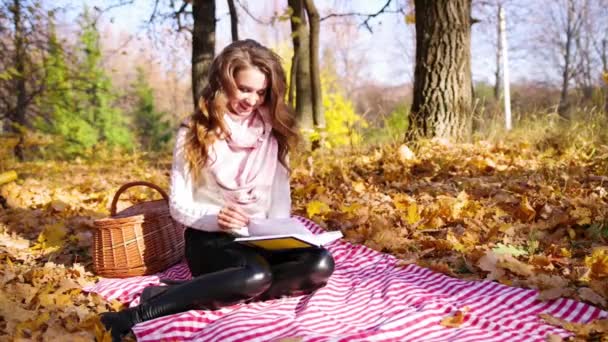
(257, 277)
(322, 264)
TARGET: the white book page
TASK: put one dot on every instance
(327, 237)
(318, 240)
(285, 226)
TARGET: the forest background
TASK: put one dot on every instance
(90, 97)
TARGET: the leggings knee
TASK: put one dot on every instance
(322, 267)
(257, 277)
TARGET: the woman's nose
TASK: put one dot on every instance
(252, 100)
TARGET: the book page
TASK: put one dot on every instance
(278, 243)
(285, 226)
(275, 242)
(327, 237)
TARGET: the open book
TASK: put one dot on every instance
(278, 234)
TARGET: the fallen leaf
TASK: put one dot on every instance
(591, 296)
(453, 321)
(515, 266)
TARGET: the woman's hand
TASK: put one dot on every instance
(232, 217)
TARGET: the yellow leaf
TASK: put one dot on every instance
(515, 266)
(317, 208)
(598, 263)
(116, 305)
(93, 323)
(582, 215)
(453, 321)
(359, 187)
(63, 300)
(525, 211)
(53, 235)
(351, 208)
(7, 177)
(412, 213)
(31, 325)
(58, 206)
(571, 233)
(456, 245)
(461, 203)
(402, 201)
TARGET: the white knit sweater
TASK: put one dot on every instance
(198, 206)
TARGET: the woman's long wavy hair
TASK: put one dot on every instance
(207, 124)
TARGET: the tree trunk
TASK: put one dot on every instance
(234, 21)
(203, 45)
(19, 119)
(301, 59)
(291, 96)
(498, 73)
(442, 105)
(605, 68)
(568, 55)
(317, 100)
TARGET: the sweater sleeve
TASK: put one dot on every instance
(280, 200)
(183, 208)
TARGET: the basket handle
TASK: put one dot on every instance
(132, 184)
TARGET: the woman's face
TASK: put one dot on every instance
(251, 87)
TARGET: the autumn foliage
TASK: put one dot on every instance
(525, 214)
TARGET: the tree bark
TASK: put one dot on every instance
(234, 21)
(203, 45)
(605, 68)
(442, 105)
(20, 59)
(498, 72)
(571, 29)
(301, 59)
(317, 100)
(291, 96)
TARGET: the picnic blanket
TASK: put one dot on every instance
(370, 297)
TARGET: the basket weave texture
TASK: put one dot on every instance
(140, 240)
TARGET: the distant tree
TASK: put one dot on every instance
(198, 18)
(301, 89)
(234, 21)
(21, 40)
(153, 130)
(602, 50)
(58, 106)
(96, 99)
(19, 77)
(203, 44)
(314, 20)
(442, 102)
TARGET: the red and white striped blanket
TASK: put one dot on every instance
(368, 298)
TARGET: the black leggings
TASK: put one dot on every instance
(261, 274)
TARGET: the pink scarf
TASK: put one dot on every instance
(244, 164)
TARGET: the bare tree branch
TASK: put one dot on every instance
(257, 20)
(369, 16)
(153, 15)
(116, 5)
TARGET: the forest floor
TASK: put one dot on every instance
(531, 215)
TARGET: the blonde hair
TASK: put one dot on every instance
(206, 124)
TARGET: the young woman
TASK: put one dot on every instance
(229, 166)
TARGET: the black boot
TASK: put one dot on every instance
(208, 291)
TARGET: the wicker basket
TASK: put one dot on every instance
(140, 240)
